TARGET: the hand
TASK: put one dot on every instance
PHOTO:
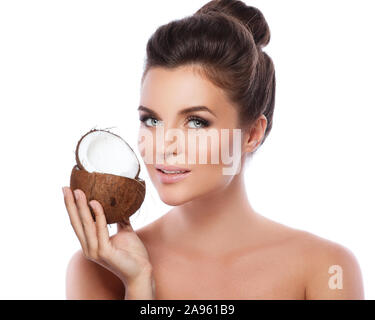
(123, 253)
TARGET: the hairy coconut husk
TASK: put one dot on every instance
(119, 196)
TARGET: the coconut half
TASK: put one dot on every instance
(107, 170)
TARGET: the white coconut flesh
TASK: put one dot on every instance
(104, 152)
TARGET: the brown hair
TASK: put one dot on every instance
(224, 39)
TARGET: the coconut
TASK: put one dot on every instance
(107, 170)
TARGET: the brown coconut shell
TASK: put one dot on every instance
(79, 164)
(119, 196)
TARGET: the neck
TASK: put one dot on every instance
(216, 223)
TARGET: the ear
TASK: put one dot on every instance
(254, 135)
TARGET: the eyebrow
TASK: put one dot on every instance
(181, 112)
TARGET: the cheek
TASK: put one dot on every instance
(215, 149)
(220, 163)
(146, 143)
(208, 176)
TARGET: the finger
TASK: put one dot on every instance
(88, 224)
(101, 225)
(74, 218)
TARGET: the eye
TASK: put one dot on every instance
(198, 122)
(145, 119)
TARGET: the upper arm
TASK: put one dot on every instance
(87, 280)
(333, 273)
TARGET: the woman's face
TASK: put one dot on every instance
(165, 94)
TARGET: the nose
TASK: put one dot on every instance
(170, 143)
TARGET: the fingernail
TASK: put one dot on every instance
(76, 194)
(63, 190)
(95, 206)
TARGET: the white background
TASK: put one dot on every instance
(69, 66)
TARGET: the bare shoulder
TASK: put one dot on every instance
(87, 280)
(332, 270)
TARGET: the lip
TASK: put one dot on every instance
(170, 168)
(170, 177)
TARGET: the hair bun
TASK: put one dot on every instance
(251, 17)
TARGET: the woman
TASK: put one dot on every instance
(206, 71)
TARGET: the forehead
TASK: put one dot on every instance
(180, 87)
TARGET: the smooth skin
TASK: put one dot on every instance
(212, 244)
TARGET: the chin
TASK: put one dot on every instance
(172, 201)
(174, 196)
